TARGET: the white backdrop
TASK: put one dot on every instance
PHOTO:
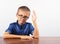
(47, 12)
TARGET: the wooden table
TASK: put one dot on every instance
(41, 40)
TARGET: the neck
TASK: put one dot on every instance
(19, 23)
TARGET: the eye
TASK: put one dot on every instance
(21, 15)
(25, 17)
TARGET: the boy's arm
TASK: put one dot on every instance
(36, 32)
(7, 35)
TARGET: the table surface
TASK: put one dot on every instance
(41, 40)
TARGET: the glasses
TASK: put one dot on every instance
(23, 16)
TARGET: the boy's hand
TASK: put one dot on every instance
(34, 17)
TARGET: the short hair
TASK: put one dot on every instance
(25, 8)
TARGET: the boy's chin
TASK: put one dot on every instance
(22, 22)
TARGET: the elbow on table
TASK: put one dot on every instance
(36, 37)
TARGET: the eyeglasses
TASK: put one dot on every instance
(23, 16)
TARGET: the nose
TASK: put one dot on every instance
(22, 18)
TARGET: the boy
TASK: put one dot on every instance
(22, 29)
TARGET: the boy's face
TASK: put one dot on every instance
(22, 16)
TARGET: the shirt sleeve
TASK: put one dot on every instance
(9, 30)
(31, 29)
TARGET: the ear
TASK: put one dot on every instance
(16, 14)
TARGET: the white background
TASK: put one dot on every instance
(47, 12)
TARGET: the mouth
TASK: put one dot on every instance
(22, 20)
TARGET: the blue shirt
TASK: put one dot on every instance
(25, 29)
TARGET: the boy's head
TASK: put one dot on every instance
(23, 14)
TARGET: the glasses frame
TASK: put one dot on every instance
(25, 17)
